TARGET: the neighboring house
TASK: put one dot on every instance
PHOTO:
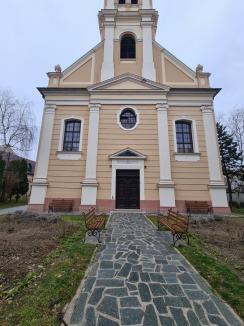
(128, 125)
(8, 155)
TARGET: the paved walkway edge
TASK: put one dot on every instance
(202, 278)
(137, 278)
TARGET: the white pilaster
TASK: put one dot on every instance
(146, 4)
(166, 185)
(40, 182)
(148, 67)
(216, 186)
(108, 59)
(89, 185)
(109, 4)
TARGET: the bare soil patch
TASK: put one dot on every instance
(225, 239)
(24, 242)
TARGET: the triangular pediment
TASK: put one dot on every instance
(128, 82)
(128, 153)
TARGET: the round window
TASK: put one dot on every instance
(128, 118)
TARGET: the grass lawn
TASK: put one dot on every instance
(224, 281)
(239, 211)
(42, 295)
(22, 201)
(219, 276)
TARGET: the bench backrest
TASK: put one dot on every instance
(62, 204)
(180, 220)
(89, 216)
(198, 206)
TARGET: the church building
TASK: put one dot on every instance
(128, 125)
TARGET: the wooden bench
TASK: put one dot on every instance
(198, 207)
(177, 224)
(61, 205)
(94, 223)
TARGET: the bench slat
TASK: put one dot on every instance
(176, 223)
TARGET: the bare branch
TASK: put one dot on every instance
(17, 129)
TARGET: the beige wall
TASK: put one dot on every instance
(98, 63)
(122, 67)
(191, 178)
(143, 139)
(64, 177)
(89, 72)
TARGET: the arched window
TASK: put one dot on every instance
(128, 47)
(121, 2)
(184, 136)
(134, 2)
(72, 131)
(128, 118)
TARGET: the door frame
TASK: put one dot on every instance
(131, 164)
(136, 174)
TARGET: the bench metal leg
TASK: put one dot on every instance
(179, 236)
(176, 237)
(93, 233)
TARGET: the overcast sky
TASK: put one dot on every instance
(36, 35)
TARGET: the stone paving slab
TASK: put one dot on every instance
(138, 278)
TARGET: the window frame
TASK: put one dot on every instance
(194, 136)
(132, 36)
(137, 118)
(61, 138)
(184, 147)
(74, 141)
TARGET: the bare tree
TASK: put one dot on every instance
(236, 127)
(17, 130)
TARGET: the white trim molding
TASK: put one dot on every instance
(40, 182)
(166, 185)
(217, 186)
(187, 157)
(148, 67)
(72, 156)
(89, 185)
(136, 163)
(137, 117)
(211, 144)
(108, 56)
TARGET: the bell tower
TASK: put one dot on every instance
(135, 17)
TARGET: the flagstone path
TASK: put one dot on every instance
(137, 278)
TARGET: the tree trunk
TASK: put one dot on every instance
(229, 192)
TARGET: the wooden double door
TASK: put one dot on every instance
(128, 189)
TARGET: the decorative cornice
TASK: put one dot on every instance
(166, 184)
(217, 185)
(207, 109)
(89, 183)
(162, 106)
(50, 109)
(94, 107)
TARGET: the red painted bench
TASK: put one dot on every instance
(177, 224)
(198, 207)
(61, 205)
(94, 223)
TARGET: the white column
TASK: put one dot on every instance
(148, 68)
(216, 186)
(146, 4)
(109, 4)
(108, 59)
(166, 185)
(89, 185)
(40, 182)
